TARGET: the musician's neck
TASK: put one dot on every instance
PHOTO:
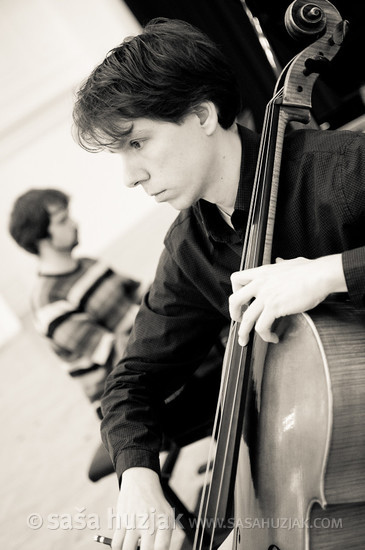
(225, 173)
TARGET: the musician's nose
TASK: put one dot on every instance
(132, 174)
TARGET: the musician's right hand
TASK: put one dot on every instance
(144, 517)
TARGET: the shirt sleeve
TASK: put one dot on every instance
(352, 168)
(174, 331)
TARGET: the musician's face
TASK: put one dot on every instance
(172, 162)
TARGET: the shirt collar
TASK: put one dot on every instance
(215, 226)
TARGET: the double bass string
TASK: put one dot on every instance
(207, 499)
(251, 253)
(227, 372)
(225, 375)
(217, 437)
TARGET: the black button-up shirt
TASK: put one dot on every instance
(321, 211)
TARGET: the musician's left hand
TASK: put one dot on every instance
(283, 288)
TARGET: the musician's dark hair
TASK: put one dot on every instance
(162, 74)
(29, 218)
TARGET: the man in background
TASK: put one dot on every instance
(80, 305)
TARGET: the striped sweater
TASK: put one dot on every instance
(87, 316)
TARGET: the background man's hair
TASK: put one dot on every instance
(163, 74)
(29, 219)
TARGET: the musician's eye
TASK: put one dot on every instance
(136, 144)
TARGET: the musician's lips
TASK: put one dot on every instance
(158, 196)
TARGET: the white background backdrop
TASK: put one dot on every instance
(49, 432)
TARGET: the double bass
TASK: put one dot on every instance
(288, 458)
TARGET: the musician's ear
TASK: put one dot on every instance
(208, 116)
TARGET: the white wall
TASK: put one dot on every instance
(48, 47)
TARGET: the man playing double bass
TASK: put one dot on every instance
(166, 103)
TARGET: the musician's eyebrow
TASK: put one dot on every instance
(120, 142)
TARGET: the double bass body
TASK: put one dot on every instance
(300, 479)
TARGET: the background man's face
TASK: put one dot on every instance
(62, 229)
